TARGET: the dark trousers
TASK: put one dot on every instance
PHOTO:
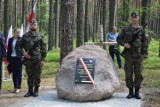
(16, 65)
(112, 52)
(0, 73)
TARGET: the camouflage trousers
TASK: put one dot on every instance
(133, 71)
(33, 70)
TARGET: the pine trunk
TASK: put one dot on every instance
(79, 23)
(66, 28)
(86, 23)
(6, 17)
(50, 38)
(112, 13)
(56, 24)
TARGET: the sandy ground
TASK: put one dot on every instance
(48, 98)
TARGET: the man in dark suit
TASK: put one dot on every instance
(2, 55)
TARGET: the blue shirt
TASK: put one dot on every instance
(113, 36)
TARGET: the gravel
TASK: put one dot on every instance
(48, 98)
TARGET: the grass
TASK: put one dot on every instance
(151, 68)
(49, 71)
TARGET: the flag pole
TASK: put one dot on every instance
(32, 15)
(2, 71)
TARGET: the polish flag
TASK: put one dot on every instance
(8, 37)
(86, 70)
(32, 14)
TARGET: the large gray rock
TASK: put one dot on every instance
(106, 76)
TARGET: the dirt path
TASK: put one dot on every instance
(151, 98)
(48, 98)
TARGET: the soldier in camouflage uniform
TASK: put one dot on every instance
(134, 55)
(34, 58)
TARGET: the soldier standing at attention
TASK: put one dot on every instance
(34, 46)
(134, 55)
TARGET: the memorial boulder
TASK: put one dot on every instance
(106, 77)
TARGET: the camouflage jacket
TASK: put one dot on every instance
(139, 46)
(27, 42)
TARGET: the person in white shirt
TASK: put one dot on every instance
(14, 59)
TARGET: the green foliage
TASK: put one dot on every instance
(153, 8)
(151, 78)
(153, 61)
(52, 63)
(50, 69)
(53, 55)
(121, 24)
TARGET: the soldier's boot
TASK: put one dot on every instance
(30, 92)
(36, 89)
(136, 95)
(130, 95)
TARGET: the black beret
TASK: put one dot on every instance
(33, 21)
(134, 14)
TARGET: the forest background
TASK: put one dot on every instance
(67, 24)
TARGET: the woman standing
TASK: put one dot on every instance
(14, 58)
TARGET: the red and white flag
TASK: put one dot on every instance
(32, 14)
(8, 37)
(86, 70)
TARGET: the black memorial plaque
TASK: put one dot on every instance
(80, 75)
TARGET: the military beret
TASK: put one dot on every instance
(33, 21)
(134, 14)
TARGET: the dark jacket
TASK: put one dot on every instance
(9, 52)
(2, 46)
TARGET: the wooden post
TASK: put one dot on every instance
(101, 43)
(101, 33)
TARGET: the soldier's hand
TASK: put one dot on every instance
(42, 63)
(26, 55)
(126, 45)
